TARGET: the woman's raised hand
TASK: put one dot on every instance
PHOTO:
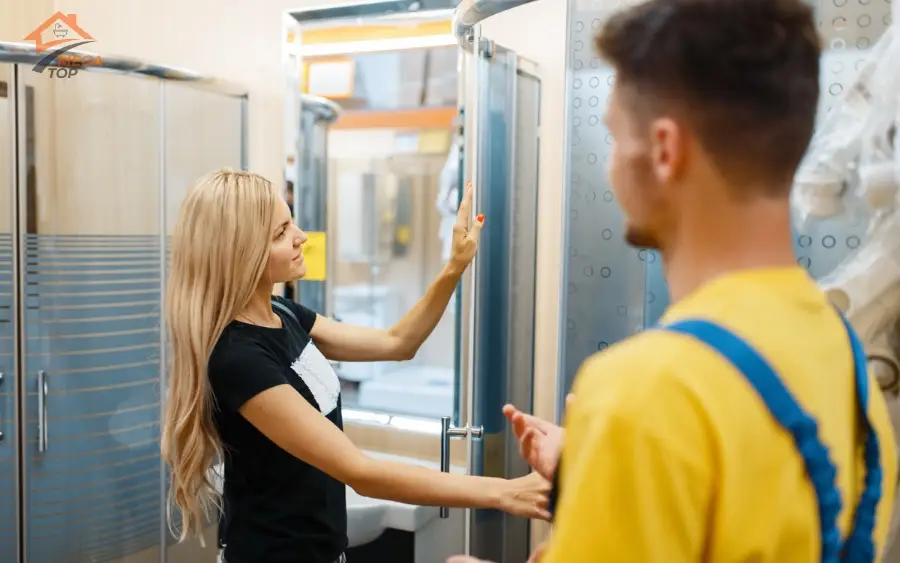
(465, 232)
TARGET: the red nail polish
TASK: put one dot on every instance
(480, 218)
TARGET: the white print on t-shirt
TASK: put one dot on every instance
(318, 375)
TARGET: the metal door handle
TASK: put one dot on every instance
(1, 383)
(42, 411)
(448, 432)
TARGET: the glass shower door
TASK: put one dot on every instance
(89, 275)
(499, 362)
(204, 133)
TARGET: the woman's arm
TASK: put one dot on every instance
(283, 416)
(349, 343)
(401, 342)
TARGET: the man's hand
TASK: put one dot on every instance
(535, 557)
(540, 442)
(538, 553)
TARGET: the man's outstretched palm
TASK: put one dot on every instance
(540, 442)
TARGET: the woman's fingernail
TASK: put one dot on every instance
(480, 218)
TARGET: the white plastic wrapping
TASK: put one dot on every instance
(819, 185)
(878, 178)
(447, 201)
(866, 285)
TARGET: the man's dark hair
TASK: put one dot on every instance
(744, 74)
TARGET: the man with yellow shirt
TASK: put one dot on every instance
(744, 427)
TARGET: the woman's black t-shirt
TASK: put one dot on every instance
(278, 509)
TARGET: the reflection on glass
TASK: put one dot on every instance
(203, 133)
(383, 185)
(403, 79)
(88, 279)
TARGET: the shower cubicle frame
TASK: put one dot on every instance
(22, 58)
(311, 190)
(500, 92)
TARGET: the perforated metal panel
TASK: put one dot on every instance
(613, 291)
(605, 278)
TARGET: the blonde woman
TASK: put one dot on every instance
(250, 385)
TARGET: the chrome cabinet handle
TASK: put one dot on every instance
(2, 436)
(448, 432)
(42, 411)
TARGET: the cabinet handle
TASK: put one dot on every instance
(2, 436)
(42, 411)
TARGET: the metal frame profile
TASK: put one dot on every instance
(322, 108)
(24, 53)
(470, 13)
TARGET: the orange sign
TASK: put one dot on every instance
(58, 35)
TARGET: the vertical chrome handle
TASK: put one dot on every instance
(42, 411)
(1, 383)
(448, 432)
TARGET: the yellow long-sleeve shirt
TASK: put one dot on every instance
(671, 457)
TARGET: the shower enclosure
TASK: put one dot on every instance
(311, 188)
(500, 156)
(94, 168)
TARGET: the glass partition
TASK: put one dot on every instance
(411, 78)
(203, 133)
(310, 205)
(389, 240)
(83, 162)
(89, 272)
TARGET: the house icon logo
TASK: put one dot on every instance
(54, 38)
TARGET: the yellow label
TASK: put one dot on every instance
(403, 235)
(314, 256)
(434, 141)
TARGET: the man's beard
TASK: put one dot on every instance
(640, 238)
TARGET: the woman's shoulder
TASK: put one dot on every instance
(236, 346)
(304, 316)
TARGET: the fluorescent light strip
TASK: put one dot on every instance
(419, 425)
(409, 424)
(375, 46)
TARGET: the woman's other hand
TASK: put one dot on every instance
(526, 496)
(465, 234)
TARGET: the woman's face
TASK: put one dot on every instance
(286, 252)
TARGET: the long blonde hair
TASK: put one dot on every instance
(219, 253)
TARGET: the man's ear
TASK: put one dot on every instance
(668, 149)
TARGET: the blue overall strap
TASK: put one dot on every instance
(804, 430)
(859, 547)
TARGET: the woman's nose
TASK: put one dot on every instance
(300, 238)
